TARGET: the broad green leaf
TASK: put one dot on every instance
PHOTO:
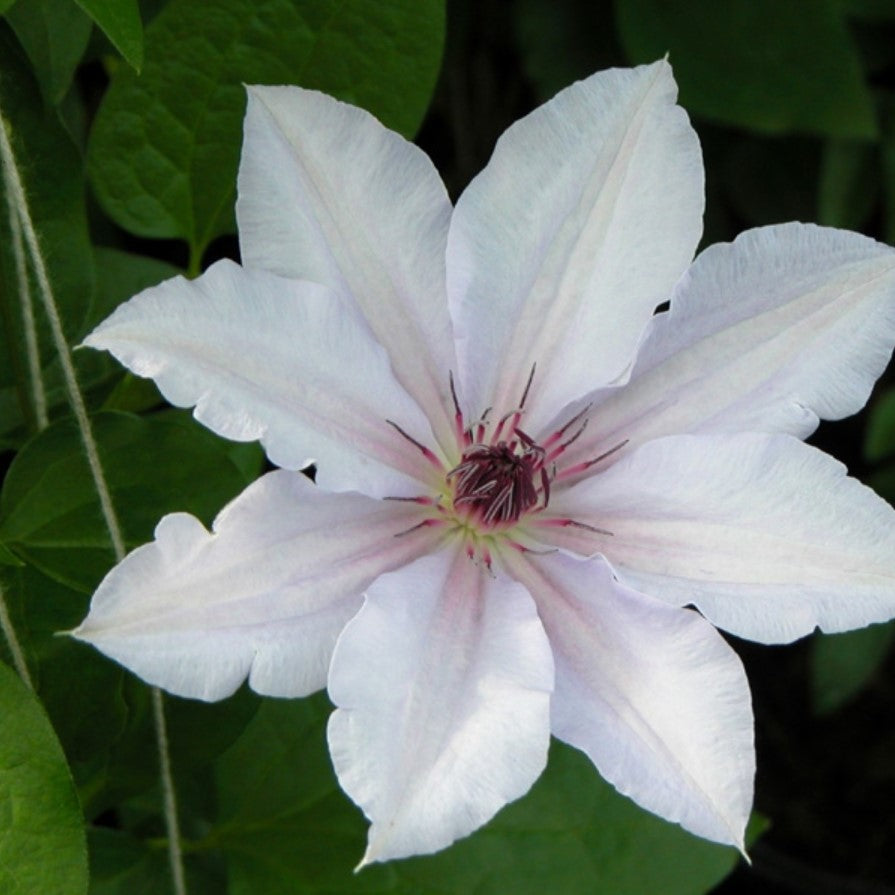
(284, 827)
(8, 558)
(843, 664)
(121, 275)
(770, 66)
(122, 864)
(165, 145)
(79, 689)
(879, 438)
(120, 22)
(54, 34)
(197, 733)
(49, 511)
(42, 846)
(53, 176)
(848, 189)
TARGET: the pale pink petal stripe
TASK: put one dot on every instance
(442, 683)
(766, 536)
(284, 361)
(265, 594)
(559, 251)
(785, 325)
(651, 693)
(326, 193)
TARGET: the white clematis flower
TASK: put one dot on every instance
(524, 475)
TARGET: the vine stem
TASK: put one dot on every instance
(38, 397)
(9, 632)
(19, 201)
(32, 350)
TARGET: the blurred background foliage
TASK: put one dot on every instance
(126, 119)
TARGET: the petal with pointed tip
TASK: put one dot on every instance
(326, 193)
(265, 595)
(560, 250)
(767, 333)
(766, 536)
(651, 693)
(442, 683)
(284, 361)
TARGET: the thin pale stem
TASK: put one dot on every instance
(9, 632)
(174, 853)
(17, 193)
(17, 196)
(32, 350)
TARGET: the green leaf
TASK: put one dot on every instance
(42, 846)
(197, 733)
(53, 176)
(49, 511)
(54, 34)
(80, 690)
(774, 67)
(285, 827)
(8, 558)
(165, 145)
(121, 275)
(122, 864)
(879, 437)
(843, 664)
(120, 22)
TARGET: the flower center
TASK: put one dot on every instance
(503, 475)
(496, 484)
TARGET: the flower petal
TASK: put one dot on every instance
(443, 685)
(651, 693)
(559, 251)
(284, 361)
(326, 193)
(768, 333)
(265, 595)
(767, 536)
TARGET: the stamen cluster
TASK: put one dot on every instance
(496, 482)
(503, 474)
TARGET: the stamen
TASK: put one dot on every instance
(527, 440)
(422, 500)
(495, 438)
(580, 467)
(572, 523)
(556, 452)
(545, 484)
(558, 434)
(531, 377)
(458, 414)
(426, 523)
(425, 451)
(482, 427)
(496, 483)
